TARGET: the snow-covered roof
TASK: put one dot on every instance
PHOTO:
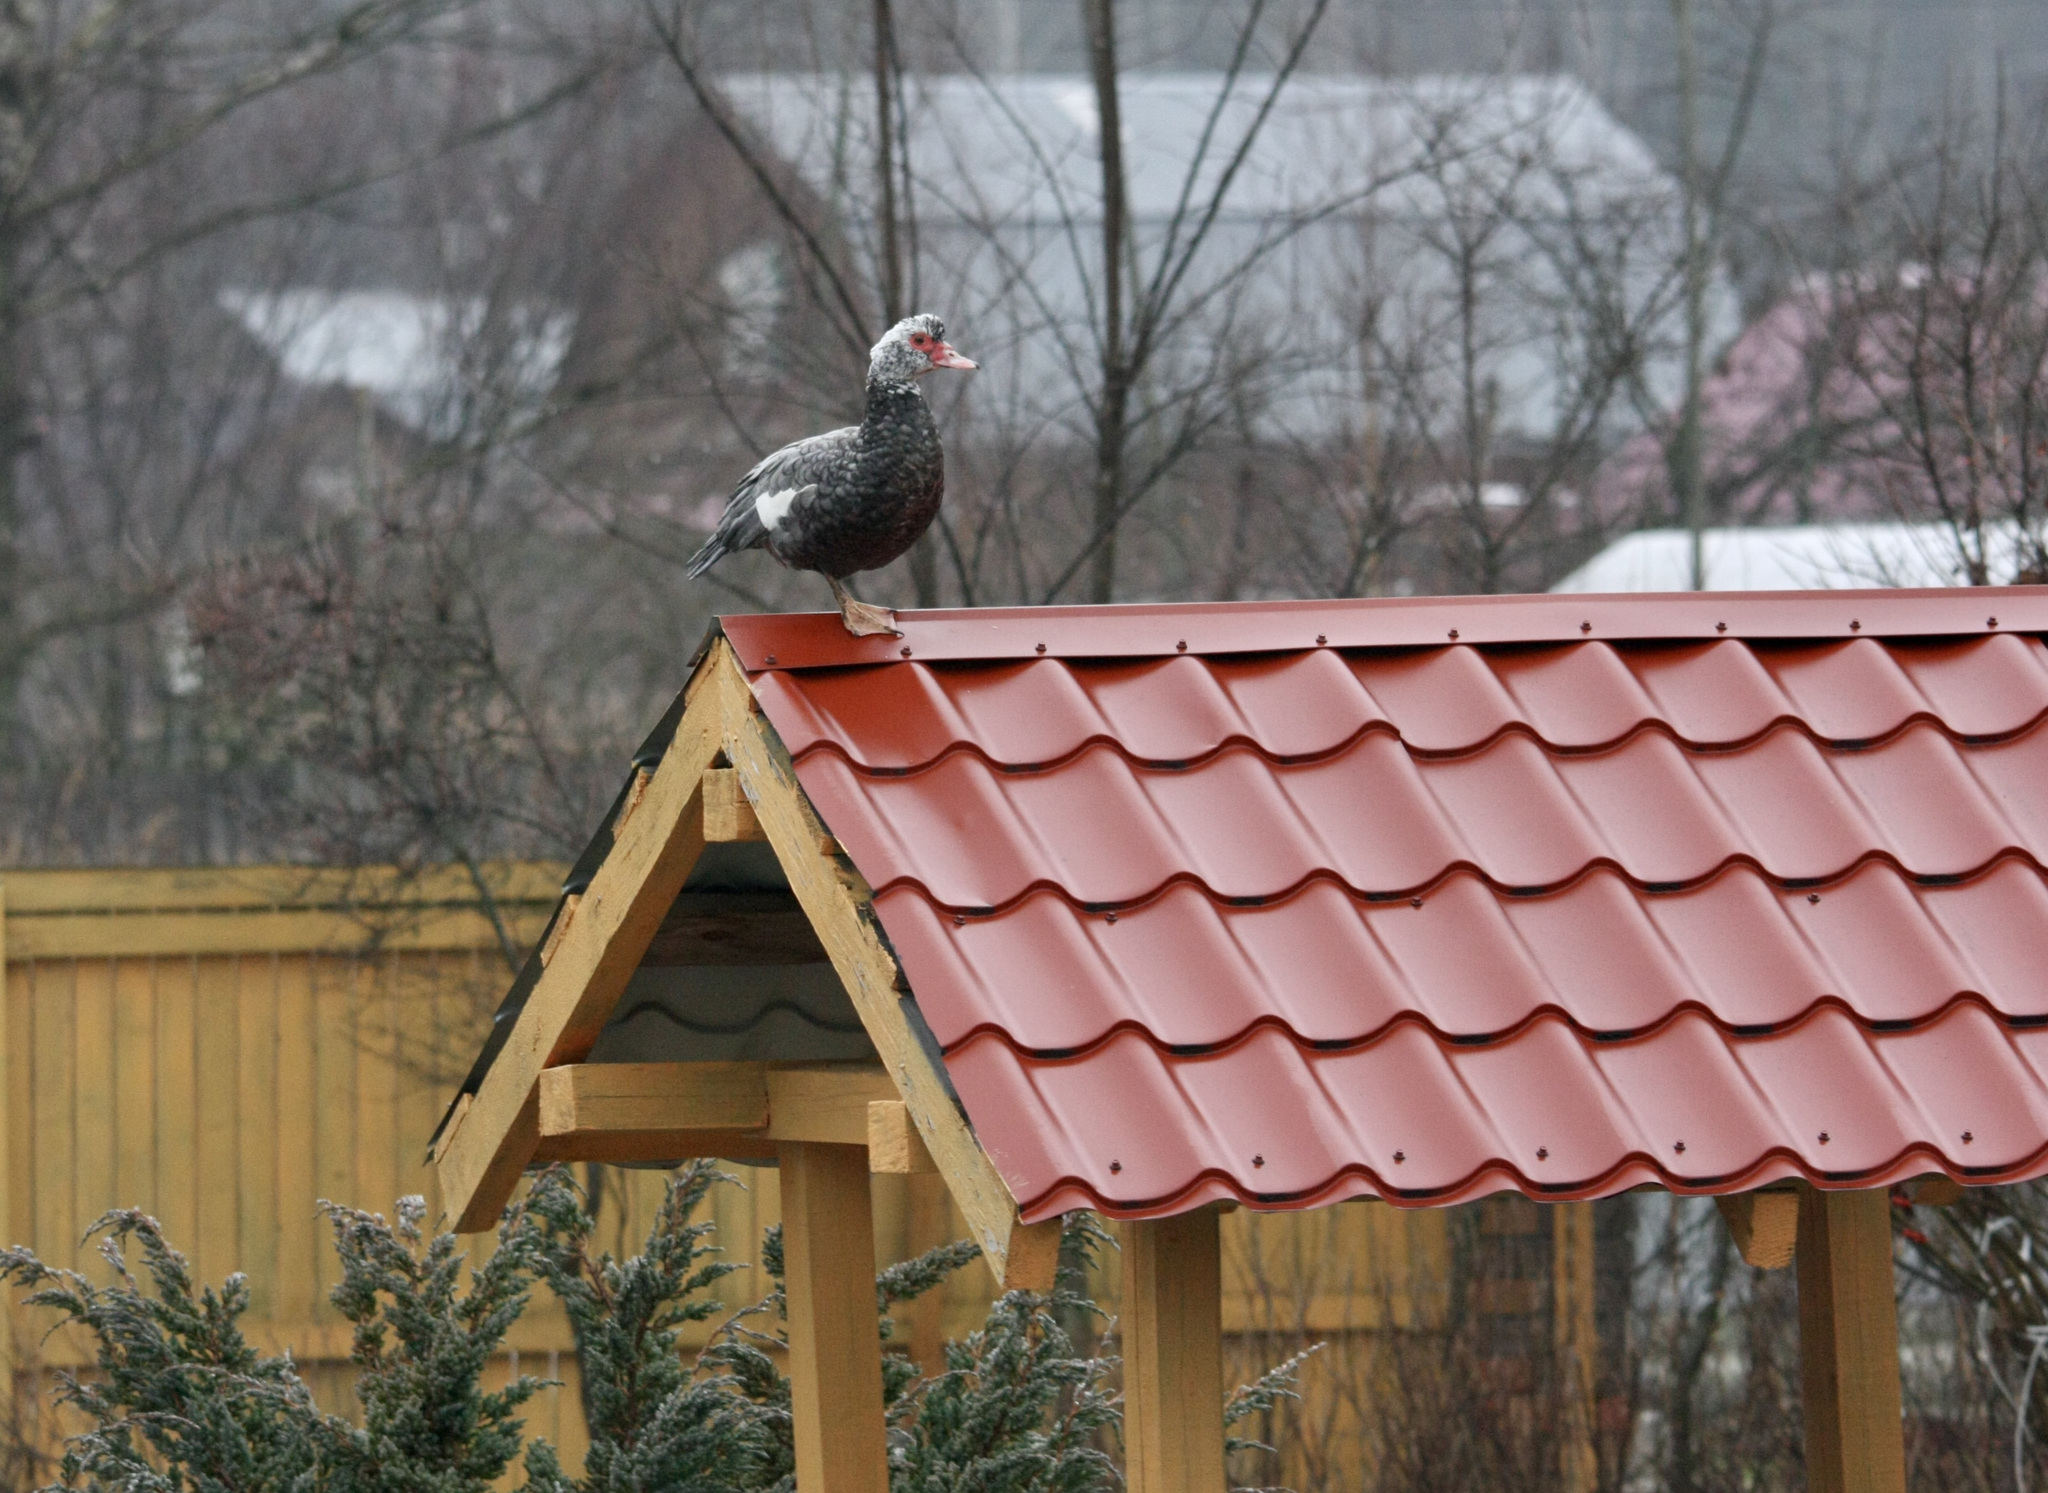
(1024, 147)
(1805, 557)
(1331, 223)
(420, 357)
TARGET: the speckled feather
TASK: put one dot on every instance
(855, 498)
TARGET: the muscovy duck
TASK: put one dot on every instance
(851, 499)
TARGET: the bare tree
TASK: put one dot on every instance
(1705, 192)
(1942, 342)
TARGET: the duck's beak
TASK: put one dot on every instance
(945, 357)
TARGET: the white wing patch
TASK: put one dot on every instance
(773, 507)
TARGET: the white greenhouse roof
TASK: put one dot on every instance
(1809, 557)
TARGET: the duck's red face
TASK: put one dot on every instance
(941, 353)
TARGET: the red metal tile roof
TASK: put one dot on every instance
(1701, 891)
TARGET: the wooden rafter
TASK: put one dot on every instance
(1765, 1225)
(691, 798)
(491, 1142)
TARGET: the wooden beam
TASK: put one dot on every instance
(1935, 1190)
(34, 895)
(839, 904)
(733, 928)
(1849, 1343)
(1765, 1225)
(894, 1146)
(828, 1104)
(480, 1163)
(664, 1111)
(727, 814)
(835, 1345)
(1172, 1326)
(269, 910)
(652, 1147)
(594, 1097)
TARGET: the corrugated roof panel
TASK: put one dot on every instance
(1569, 912)
(1853, 691)
(2012, 773)
(1333, 968)
(1710, 694)
(1994, 922)
(1416, 1119)
(1575, 695)
(1984, 687)
(1439, 699)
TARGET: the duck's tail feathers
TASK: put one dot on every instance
(714, 550)
(739, 529)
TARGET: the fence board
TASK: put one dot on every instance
(177, 1100)
(256, 1172)
(55, 1155)
(92, 1092)
(135, 1169)
(216, 1043)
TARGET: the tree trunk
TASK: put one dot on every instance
(924, 554)
(1113, 413)
(16, 438)
(1686, 461)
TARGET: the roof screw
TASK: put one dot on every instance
(1679, 1147)
(1967, 1137)
(1720, 627)
(1585, 627)
(1041, 647)
(1823, 1137)
(1322, 639)
(1112, 917)
(1116, 1166)
(1181, 646)
(1543, 1153)
(771, 660)
(1399, 1157)
(1414, 901)
(1813, 896)
(906, 650)
(1258, 1161)
(1854, 625)
(1454, 635)
(1991, 622)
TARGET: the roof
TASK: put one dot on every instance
(418, 356)
(1346, 186)
(1021, 148)
(1794, 557)
(1295, 902)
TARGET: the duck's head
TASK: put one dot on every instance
(912, 348)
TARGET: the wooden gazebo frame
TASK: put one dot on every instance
(726, 777)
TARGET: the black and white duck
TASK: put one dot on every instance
(853, 499)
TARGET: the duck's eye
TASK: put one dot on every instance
(918, 339)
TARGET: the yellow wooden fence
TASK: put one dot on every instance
(225, 1048)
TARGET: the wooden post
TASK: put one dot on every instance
(1849, 1343)
(7, 1140)
(1172, 1325)
(835, 1344)
(1577, 1341)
